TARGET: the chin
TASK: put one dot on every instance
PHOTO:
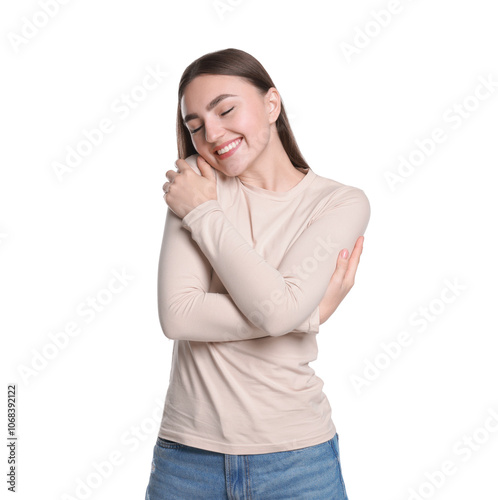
(231, 172)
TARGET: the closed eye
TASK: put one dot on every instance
(222, 114)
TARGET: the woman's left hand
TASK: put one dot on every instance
(187, 189)
(341, 281)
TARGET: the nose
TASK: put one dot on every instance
(213, 131)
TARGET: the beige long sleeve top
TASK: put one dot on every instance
(239, 284)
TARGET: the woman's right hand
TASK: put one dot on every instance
(341, 281)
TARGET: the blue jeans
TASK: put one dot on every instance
(181, 472)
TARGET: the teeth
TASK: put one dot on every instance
(229, 147)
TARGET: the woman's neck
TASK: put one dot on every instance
(273, 170)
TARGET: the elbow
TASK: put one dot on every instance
(179, 316)
(277, 325)
(173, 327)
(274, 327)
(168, 331)
(174, 318)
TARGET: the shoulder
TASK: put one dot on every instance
(192, 161)
(336, 193)
(335, 196)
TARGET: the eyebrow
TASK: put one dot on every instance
(209, 107)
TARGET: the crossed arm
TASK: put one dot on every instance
(262, 300)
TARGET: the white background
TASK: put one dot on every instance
(101, 395)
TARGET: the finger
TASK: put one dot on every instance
(171, 174)
(358, 248)
(354, 260)
(181, 165)
(340, 268)
(205, 168)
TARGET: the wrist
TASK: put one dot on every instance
(198, 211)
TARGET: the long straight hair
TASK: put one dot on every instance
(234, 62)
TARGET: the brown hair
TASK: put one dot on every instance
(234, 62)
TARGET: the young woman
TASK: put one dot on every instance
(251, 264)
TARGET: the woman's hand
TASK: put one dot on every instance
(341, 282)
(187, 189)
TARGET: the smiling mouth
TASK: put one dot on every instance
(228, 148)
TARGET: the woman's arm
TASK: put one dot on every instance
(277, 300)
(187, 311)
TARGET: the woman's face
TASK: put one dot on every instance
(219, 110)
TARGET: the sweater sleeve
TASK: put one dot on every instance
(187, 311)
(277, 300)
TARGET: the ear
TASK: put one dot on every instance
(272, 102)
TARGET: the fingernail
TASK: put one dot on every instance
(344, 253)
